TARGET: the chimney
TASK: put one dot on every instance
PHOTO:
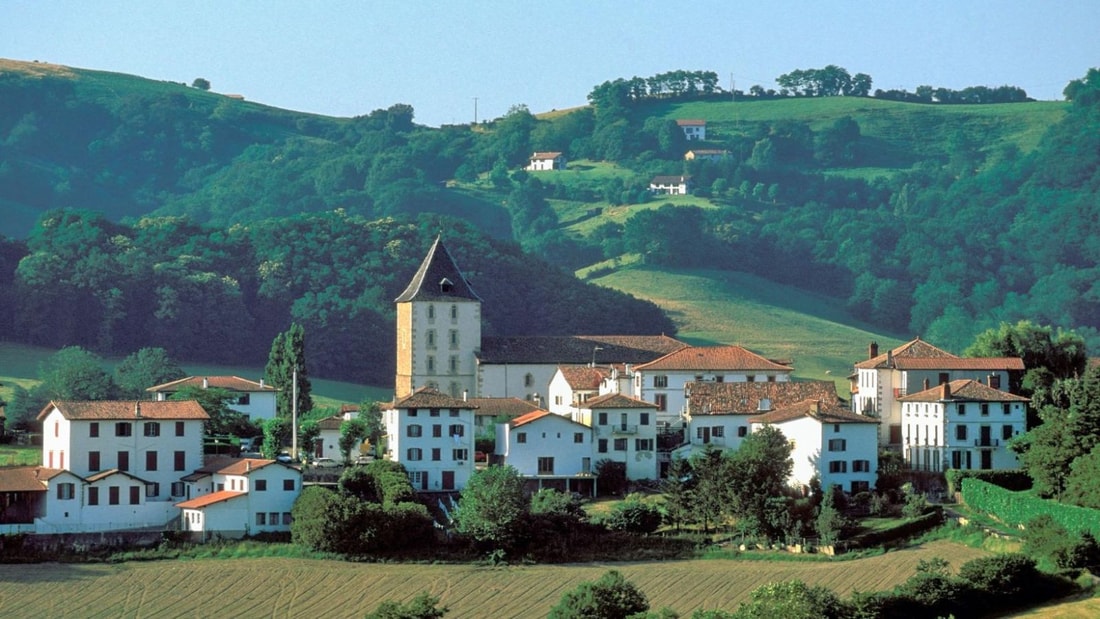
(248, 466)
(205, 383)
(890, 359)
(465, 395)
(872, 350)
(261, 383)
(995, 381)
(946, 391)
(137, 409)
(927, 384)
(816, 410)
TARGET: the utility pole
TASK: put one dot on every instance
(294, 414)
(475, 110)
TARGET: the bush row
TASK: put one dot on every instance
(1018, 508)
(1008, 479)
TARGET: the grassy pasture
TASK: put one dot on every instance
(737, 308)
(277, 587)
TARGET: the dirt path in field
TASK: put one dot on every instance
(300, 587)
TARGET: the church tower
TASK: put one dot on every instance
(438, 328)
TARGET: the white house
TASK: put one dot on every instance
(880, 380)
(552, 449)
(694, 129)
(706, 154)
(234, 497)
(671, 185)
(254, 400)
(625, 430)
(830, 442)
(663, 380)
(523, 366)
(327, 444)
(573, 385)
(541, 161)
(962, 424)
(718, 413)
(432, 435)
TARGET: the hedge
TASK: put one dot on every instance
(1018, 508)
(1010, 479)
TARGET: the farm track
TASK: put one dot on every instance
(276, 587)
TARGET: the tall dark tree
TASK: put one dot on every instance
(288, 353)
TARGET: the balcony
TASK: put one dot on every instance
(719, 441)
(987, 442)
(622, 429)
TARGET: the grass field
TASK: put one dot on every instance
(737, 308)
(275, 587)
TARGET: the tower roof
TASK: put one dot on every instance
(438, 279)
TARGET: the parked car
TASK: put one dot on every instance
(284, 458)
(324, 463)
(364, 459)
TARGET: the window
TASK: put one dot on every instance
(718, 431)
(861, 466)
(431, 364)
(430, 338)
(437, 430)
(273, 518)
(644, 419)
(288, 485)
(1006, 432)
(93, 460)
(838, 466)
(454, 313)
(601, 445)
(261, 519)
(960, 433)
(578, 437)
(414, 454)
(643, 444)
(245, 399)
(287, 518)
(457, 430)
(528, 380)
(660, 382)
(962, 408)
(453, 364)
(742, 431)
(66, 491)
(601, 419)
(151, 428)
(460, 455)
(838, 444)
(546, 466)
(453, 412)
(661, 400)
(112, 495)
(836, 428)
(260, 485)
(124, 428)
(179, 461)
(414, 431)
(431, 312)
(985, 409)
(620, 444)
(412, 412)
(860, 486)
(179, 428)
(124, 461)
(152, 489)
(150, 461)
(177, 488)
(93, 496)
(437, 454)
(135, 495)
(454, 339)
(433, 412)
(93, 429)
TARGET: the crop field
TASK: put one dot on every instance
(277, 587)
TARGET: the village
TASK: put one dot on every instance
(557, 407)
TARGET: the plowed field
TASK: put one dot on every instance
(310, 588)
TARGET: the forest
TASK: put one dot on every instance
(176, 217)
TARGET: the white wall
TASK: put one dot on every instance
(551, 436)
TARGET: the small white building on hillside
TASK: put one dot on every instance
(693, 128)
(545, 161)
(254, 400)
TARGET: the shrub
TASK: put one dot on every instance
(633, 515)
(1006, 578)
(791, 600)
(423, 606)
(610, 597)
(611, 476)
(1016, 508)
(1014, 480)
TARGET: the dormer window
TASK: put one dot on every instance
(446, 286)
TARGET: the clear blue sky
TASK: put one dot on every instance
(345, 58)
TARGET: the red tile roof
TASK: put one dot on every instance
(228, 465)
(230, 383)
(714, 358)
(576, 349)
(965, 390)
(615, 400)
(110, 473)
(128, 410)
(690, 122)
(26, 478)
(546, 155)
(209, 499)
(502, 407)
(331, 423)
(426, 397)
(710, 398)
(815, 409)
(537, 415)
(584, 377)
